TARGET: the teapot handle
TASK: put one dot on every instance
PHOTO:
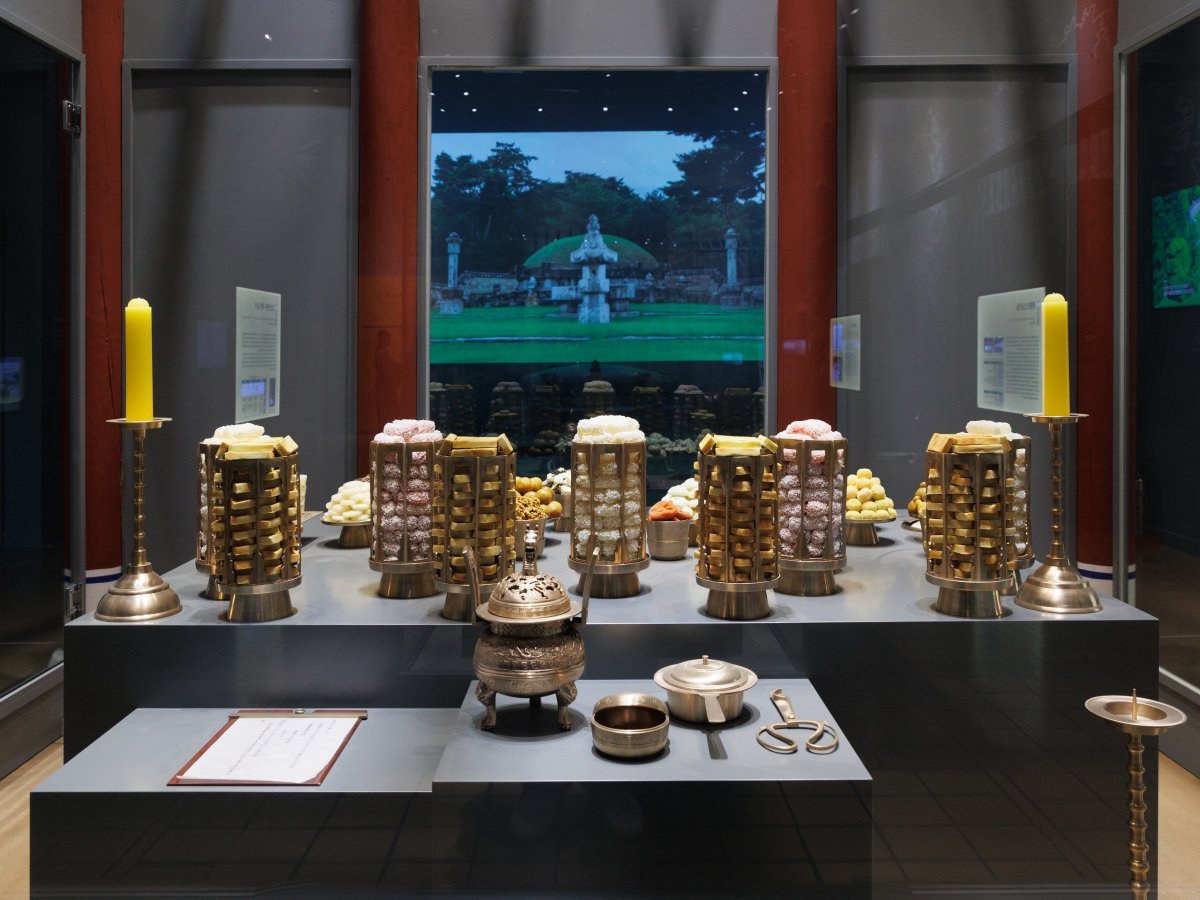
(472, 580)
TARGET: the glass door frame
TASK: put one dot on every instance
(74, 572)
(1124, 309)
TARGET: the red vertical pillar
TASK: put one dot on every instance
(103, 46)
(806, 207)
(1095, 39)
(387, 216)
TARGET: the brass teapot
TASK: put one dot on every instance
(531, 647)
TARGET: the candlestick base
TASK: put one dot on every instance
(1056, 587)
(138, 597)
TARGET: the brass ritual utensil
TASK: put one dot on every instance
(1136, 717)
(771, 737)
(1056, 586)
(140, 594)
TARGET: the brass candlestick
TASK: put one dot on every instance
(1056, 586)
(140, 593)
(1136, 717)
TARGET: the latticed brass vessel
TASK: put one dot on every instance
(738, 557)
(474, 507)
(969, 537)
(258, 535)
(608, 487)
(812, 515)
(402, 490)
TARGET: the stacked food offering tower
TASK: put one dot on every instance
(608, 483)
(1016, 494)
(738, 559)
(402, 492)
(210, 496)
(812, 491)
(254, 498)
(474, 506)
(969, 537)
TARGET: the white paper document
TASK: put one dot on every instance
(256, 373)
(271, 750)
(1009, 351)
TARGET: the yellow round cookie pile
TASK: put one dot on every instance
(916, 506)
(866, 500)
(540, 492)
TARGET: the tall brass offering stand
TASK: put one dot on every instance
(1136, 717)
(140, 593)
(1056, 586)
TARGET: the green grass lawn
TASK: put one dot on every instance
(663, 331)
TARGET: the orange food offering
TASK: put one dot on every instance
(665, 511)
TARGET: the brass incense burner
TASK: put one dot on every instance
(531, 647)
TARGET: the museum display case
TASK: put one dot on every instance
(768, 679)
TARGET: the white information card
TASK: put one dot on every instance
(1009, 350)
(279, 748)
(845, 352)
(256, 373)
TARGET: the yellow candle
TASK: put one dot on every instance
(139, 367)
(1056, 357)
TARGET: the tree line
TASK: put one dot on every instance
(503, 213)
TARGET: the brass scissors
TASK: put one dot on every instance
(770, 737)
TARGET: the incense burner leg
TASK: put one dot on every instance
(566, 696)
(535, 702)
(487, 697)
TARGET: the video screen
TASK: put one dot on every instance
(598, 230)
(1175, 253)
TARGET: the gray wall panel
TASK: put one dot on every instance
(956, 27)
(58, 21)
(681, 29)
(235, 29)
(1138, 19)
(958, 184)
(242, 179)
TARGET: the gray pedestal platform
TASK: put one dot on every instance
(423, 800)
(107, 823)
(987, 771)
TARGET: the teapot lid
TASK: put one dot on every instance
(706, 675)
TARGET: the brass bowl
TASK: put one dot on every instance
(630, 725)
(668, 539)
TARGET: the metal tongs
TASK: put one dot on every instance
(770, 737)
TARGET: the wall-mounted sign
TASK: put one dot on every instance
(256, 374)
(1009, 351)
(845, 353)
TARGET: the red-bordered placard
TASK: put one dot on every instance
(181, 777)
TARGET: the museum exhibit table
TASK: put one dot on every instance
(423, 800)
(986, 768)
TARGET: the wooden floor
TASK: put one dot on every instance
(1178, 876)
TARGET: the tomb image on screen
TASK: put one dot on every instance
(596, 245)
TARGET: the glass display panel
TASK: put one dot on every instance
(597, 246)
(35, 181)
(1165, 305)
